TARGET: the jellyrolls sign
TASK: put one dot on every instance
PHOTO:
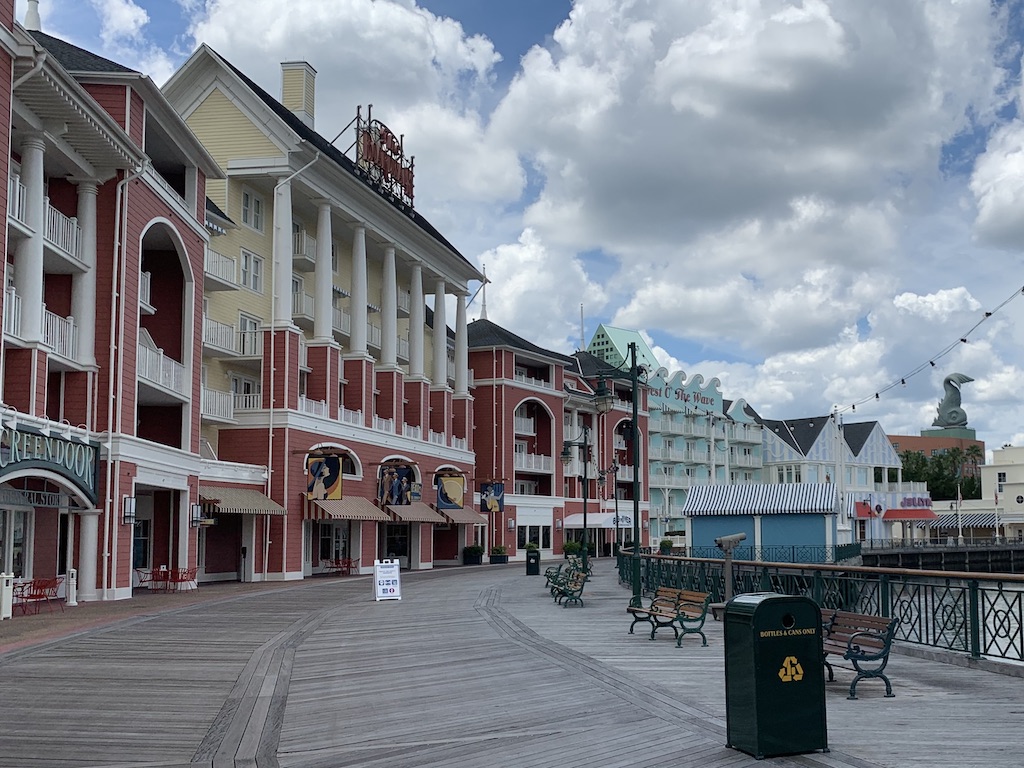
(76, 462)
(323, 475)
(451, 490)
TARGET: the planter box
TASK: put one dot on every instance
(468, 559)
(499, 559)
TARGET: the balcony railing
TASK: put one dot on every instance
(303, 246)
(302, 304)
(250, 343)
(437, 438)
(383, 425)
(157, 368)
(216, 404)
(404, 301)
(460, 443)
(219, 335)
(60, 334)
(525, 426)
(251, 401)
(413, 433)
(62, 231)
(350, 417)
(373, 335)
(313, 407)
(16, 198)
(12, 313)
(669, 481)
(534, 462)
(403, 347)
(222, 267)
(145, 288)
(341, 320)
(522, 378)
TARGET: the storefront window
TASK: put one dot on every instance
(140, 544)
(18, 544)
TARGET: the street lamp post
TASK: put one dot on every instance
(567, 446)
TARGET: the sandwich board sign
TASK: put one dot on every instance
(387, 580)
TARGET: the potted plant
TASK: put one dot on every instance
(472, 555)
(571, 548)
(531, 545)
(665, 546)
(499, 554)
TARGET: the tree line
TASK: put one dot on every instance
(944, 471)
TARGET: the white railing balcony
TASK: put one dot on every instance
(303, 246)
(534, 462)
(218, 335)
(62, 231)
(12, 313)
(525, 426)
(216, 404)
(220, 266)
(157, 368)
(313, 407)
(303, 354)
(746, 461)
(252, 401)
(696, 456)
(413, 433)
(383, 425)
(403, 347)
(16, 198)
(250, 343)
(350, 417)
(437, 438)
(341, 320)
(522, 378)
(904, 487)
(460, 443)
(669, 481)
(60, 334)
(302, 304)
(145, 288)
(373, 335)
(404, 301)
(625, 473)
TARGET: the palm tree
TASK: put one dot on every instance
(975, 455)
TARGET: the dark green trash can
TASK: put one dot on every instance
(533, 562)
(774, 679)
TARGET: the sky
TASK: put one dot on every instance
(812, 200)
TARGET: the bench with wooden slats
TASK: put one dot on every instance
(862, 639)
(684, 610)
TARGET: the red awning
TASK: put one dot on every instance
(863, 510)
(911, 513)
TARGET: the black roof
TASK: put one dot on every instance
(484, 333)
(324, 146)
(214, 209)
(75, 59)
(857, 434)
(801, 434)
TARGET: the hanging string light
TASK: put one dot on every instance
(902, 380)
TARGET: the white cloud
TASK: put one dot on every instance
(119, 20)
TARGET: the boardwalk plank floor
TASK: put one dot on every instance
(474, 667)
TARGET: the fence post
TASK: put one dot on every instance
(883, 596)
(975, 619)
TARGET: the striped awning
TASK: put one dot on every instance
(416, 512)
(352, 508)
(239, 501)
(464, 516)
(760, 499)
(967, 520)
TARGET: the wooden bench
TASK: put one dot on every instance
(684, 610)
(32, 593)
(567, 586)
(861, 639)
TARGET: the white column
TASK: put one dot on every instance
(83, 290)
(358, 337)
(28, 260)
(440, 338)
(416, 321)
(87, 545)
(389, 312)
(323, 275)
(461, 347)
(283, 249)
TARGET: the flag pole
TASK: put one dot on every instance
(959, 518)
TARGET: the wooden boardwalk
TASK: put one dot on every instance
(475, 667)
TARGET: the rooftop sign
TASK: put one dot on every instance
(381, 158)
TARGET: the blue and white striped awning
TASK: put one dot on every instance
(761, 499)
(971, 520)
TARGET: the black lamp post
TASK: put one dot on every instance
(566, 456)
(613, 470)
(604, 401)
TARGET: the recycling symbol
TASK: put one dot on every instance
(791, 670)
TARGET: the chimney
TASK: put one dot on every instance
(32, 16)
(298, 89)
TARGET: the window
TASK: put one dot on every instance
(1001, 477)
(334, 257)
(252, 271)
(249, 341)
(252, 210)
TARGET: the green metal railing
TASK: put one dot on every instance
(957, 611)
